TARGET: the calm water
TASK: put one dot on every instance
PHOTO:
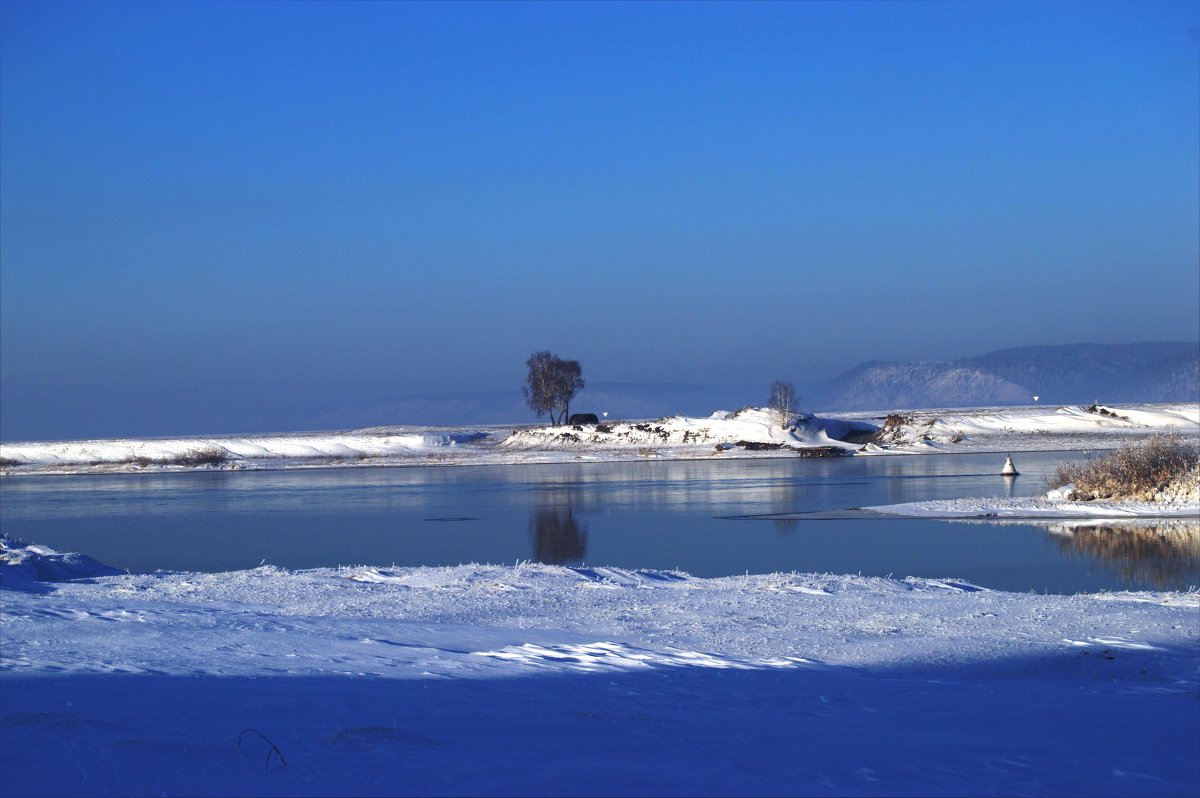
(704, 517)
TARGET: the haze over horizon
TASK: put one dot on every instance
(231, 217)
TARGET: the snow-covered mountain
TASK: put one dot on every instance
(1073, 373)
(921, 384)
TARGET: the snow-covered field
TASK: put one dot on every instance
(534, 679)
(747, 433)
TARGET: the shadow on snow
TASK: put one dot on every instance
(1094, 721)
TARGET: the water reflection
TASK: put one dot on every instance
(786, 525)
(1166, 555)
(1163, 553)
(558, 536)
(659, 514)
(716, 486)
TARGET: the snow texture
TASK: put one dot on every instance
(536, 679)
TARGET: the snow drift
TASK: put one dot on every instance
(544, 680)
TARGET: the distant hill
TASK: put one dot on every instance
(1068, 374)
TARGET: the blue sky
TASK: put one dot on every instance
(215, 215)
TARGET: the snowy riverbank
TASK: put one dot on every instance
(747, 433)
(540, 679)
(1040, 507)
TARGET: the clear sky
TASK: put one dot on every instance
(209, 210)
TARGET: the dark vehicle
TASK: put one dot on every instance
(583, 418)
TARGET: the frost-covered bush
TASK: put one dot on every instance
(1146, 471)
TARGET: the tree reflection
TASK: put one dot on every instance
(558, 537)
(786, 526)
(1165, 555)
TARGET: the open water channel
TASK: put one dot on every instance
(709, 518)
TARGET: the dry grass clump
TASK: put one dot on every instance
(205, 455)
(1139, 472)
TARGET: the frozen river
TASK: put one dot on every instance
(709, 518)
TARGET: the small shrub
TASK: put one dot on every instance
(1138, 471)
(207, 455)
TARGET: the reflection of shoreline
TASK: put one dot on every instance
(558, 537)
(1163, 552)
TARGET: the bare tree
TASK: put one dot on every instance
(551, 384)
(784, 401)
(539, 384)
(570, 382)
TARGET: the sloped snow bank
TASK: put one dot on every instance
(1028, 428)
(173, 454)
(30, 567)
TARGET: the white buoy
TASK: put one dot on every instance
(1009, 469)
